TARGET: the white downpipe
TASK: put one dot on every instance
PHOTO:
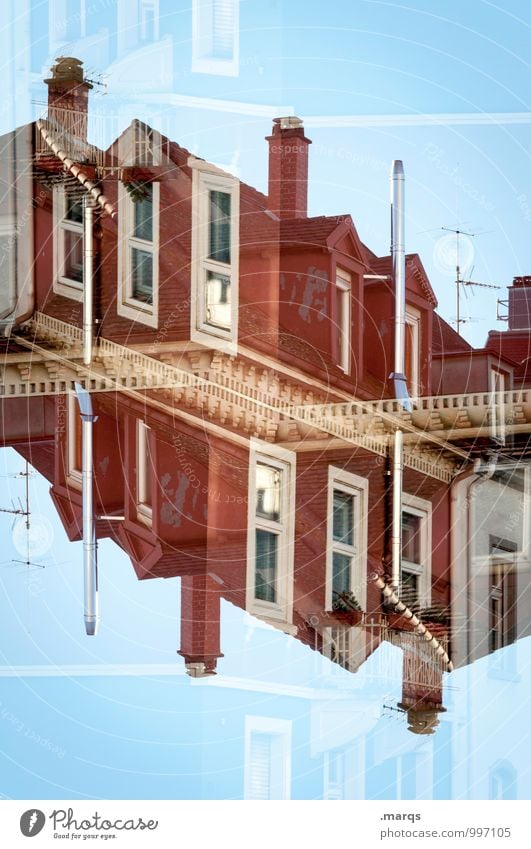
(90, 549)
(396, 533)
(398, 256)
(88, 279)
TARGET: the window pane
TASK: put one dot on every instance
(73, 256)
(219, 232)
(341, 574)
(266, 566)
(142, 275)
(145, 466)
(410, 588)
(74, 209)
(218, 300)
(411, 537)
(143, 216)
(342, 328)
(268, 492)
(343, 524)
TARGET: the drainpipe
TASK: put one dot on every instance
(398, 257)
(88, 278)
(90, 548)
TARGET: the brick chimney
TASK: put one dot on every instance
(68, 96)
(288, 168)
(520, 304)
(200, 625)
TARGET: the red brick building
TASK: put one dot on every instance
(239, 364)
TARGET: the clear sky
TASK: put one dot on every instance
(332, 64)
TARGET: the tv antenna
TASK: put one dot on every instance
(459, 281)
(23, 510)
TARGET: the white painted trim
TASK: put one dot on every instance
(422, 508)
(143, 437)
(412, 318)
(343, 283)
(359, 488)
(279, 730)
(62, 285)
(127, 306)
(73, 475)
(204, 180)
(280, 611)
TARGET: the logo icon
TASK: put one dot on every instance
(32, 822)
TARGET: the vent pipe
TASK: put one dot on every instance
(90, 549)
(398, 257)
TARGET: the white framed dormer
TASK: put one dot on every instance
(412, 350)
(67, 243)
(415, 580)
(270, 534)
(144, 472)
(267, 758)
(343, 319)
(138, 254)
(74, 456)
(139, 146)
(346, 549)
(215, 257)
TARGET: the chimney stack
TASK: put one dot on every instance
(288, 168)
(520, 304)
(200, 625)
(68, 96)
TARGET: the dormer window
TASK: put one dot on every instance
(215, 249)
(412, 351)
(68, 244)
(138, 207)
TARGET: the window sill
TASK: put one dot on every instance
(211, 339)
(138, 311)
(68, 289)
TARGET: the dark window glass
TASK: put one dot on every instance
(219, 230)
(143, 222)
(343, 525)
(341, 574)
(142, 275)
(266, 566)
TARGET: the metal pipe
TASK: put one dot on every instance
(396, 533)
(90, 550)
(398, 258)
(88, 278)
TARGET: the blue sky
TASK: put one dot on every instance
(326, 62)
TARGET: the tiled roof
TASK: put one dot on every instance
(514, 345)
(445, 339)
(310, 231)
(383, 265)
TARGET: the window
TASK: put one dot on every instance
(346, 569)
(215, 248)
(334, 774)
(149, 20)
(412, 351)
(415, 579)
(138, 253)
(270, 535)
(68, 243)
(342, 320)
(74, 441)
(215, 37)
(144, 471)
(267, 758)
(502, 781)
(502, 595)
(497, 406)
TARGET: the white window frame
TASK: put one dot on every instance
(343, 328)
(143, 470)
(207, 178)
(73, 474)
(412, 319)
(279, 730)
(145, 6)
(204, 60)
(423, 509)
(280, 612)
(358, 487)
(139, 146)
(127, 306)
(497, 381)
(63, 285)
